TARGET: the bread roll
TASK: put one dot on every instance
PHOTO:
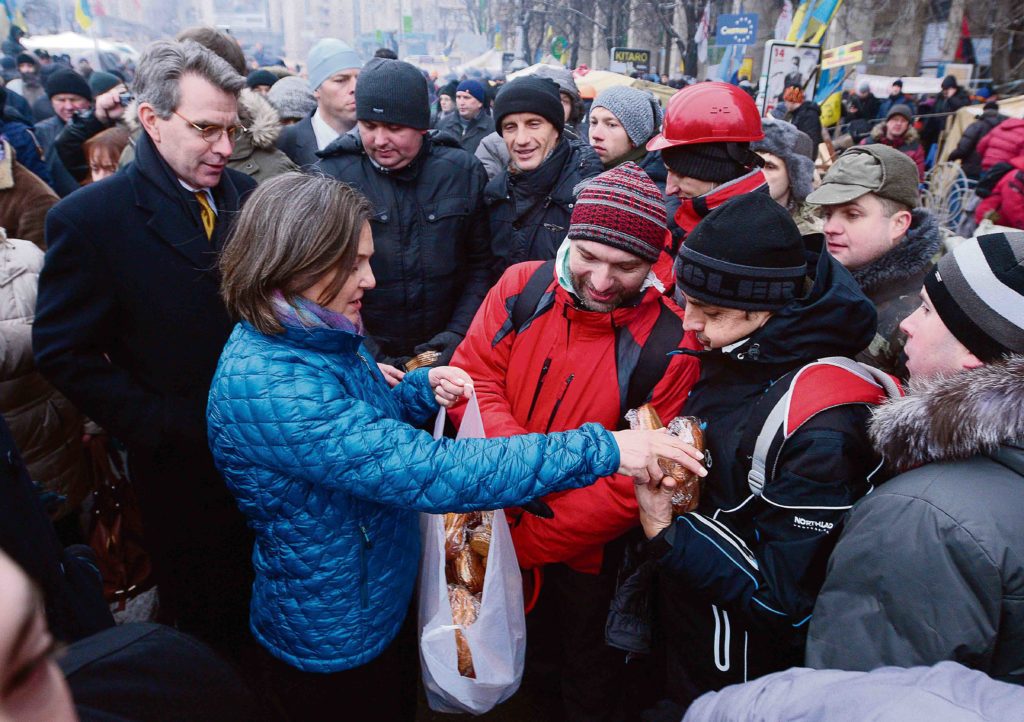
(465, 610)
(687, 492)
(469, 570)
(480, 541)
(454, 535)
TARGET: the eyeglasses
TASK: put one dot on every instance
(212, 133)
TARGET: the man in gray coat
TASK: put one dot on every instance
(931, 566)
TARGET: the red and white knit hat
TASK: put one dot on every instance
(622, 208)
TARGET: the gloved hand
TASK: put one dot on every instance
(444, 342)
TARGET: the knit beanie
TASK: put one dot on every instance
(638, 111)
(330, 56)
(793, 94)
(746, 254)
(978, 292)
(622, 208)
(793, 146)
(704, 161)
(949, 82)
(100, 82)
(530, 94)
(393, 91)
(474, 88)
(901, 109)
(68, 81)
(292, 98)
(450, 90)
(562, 76)
(260, 77)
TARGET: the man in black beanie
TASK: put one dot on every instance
(530, 202)
(69, 94)
(432, 258)
(737, 578)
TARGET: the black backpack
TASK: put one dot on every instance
(990, 179)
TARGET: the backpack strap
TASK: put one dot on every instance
(528, 304)
(654, 358)
(824, 384)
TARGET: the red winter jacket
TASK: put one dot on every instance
(1007, 200)
(560, 372)
(1003, 143)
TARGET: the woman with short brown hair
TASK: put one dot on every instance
(329, 465)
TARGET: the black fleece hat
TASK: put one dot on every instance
(27, 58)
(393, 91)
(705, 161)
(68, 81)
(746, 254)
(529, 94)
(949, 82)
(260, 77)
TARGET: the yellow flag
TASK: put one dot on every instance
(83, 14)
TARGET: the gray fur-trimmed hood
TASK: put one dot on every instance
(795, 148)
(907, 258)
(953, 417)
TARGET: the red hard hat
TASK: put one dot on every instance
(709, 113)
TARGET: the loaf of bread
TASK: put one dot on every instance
(465, 610)
(469, 570)
(686, 495)
(454, 535)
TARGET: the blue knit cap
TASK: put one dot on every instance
(330, 56)
(474, 88)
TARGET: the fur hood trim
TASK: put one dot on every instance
(907, 258)
(953, 417)
(254, 111)
(909, 138)
(259, 116)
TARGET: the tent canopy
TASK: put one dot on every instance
(601, 79)
(490, 61)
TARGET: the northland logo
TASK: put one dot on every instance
(811, 525)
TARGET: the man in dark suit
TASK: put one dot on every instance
(333, 69)
(130, 326)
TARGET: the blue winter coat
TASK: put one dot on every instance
(327, 466)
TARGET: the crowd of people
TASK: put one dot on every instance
(259, 288)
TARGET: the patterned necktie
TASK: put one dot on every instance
(206, 211)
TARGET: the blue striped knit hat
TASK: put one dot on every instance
(622, 208)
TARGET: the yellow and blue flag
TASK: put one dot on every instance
(83, 14)
(811, 20)
(829, 95)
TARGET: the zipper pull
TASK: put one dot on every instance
(366, 536)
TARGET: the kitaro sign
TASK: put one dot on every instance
(625, 59)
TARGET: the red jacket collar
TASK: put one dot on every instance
(692, 210)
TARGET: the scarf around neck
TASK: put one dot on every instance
(300, 312)
(692, 210)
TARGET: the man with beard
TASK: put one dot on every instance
(591, 340)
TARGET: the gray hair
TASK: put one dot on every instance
(165, 62)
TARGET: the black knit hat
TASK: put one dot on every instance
(393, 91)
(978, 292)
(260, 77)
(950, 82)
(68, 81)
(706, 161)
(529, 94)
(746, 254)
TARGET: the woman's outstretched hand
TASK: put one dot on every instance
(638, 457)
(450, 384)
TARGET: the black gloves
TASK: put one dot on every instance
(444, 342)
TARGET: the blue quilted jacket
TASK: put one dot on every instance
(328, 467)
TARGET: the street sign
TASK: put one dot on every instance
(506, 62)
(849, 54)
(624, 58)
(736, 29)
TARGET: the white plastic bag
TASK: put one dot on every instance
(498, 637)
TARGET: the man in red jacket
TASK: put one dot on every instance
(594, 340)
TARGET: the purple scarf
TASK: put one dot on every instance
(300, 312)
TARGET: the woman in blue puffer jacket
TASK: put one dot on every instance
(327, 461)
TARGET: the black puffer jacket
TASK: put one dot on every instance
(529, 212)
(738, 578)
(807, 118)
(966, 150)
(432, 257)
